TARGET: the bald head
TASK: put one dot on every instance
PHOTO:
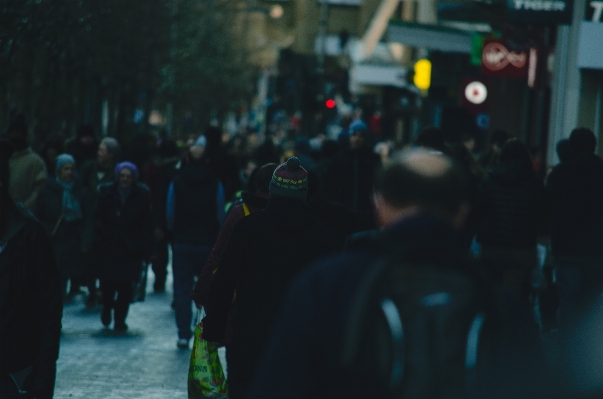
(421, 179)
(424, 162)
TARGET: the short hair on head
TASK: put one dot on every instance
(85, 130)
(111, 144)
(422, 178)
(264, 176)
(583, 141)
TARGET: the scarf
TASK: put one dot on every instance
(71, 206)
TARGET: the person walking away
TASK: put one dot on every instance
(512, 213)
(350, 177)
(28, 172)
(93, 174)
(419, 202)
(575, 189)
(252, 202)
(266, 250)
(30, 298)
(161, 175)
(124, 229)
(64, 206)
(195, 211)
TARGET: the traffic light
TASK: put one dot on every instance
(330, 103)
(422, 76)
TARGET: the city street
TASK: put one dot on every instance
(144, 363)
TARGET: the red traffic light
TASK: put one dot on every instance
(330, 103)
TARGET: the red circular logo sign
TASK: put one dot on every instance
(496, 57)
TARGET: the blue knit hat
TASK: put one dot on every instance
(126, 165)
(64, 159)
(357, 126)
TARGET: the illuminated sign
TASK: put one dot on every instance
(498, 60)
(540, 12)
(594, 12)
(476, 92)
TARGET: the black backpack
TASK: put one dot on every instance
(414, 330)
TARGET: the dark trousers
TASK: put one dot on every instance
(160, 264)
(124, 291)
(187, 264)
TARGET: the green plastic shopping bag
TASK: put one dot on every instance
(205, 375)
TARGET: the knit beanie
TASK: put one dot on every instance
(126, 165)
(290, 180)
(64, 159)
(357, 126)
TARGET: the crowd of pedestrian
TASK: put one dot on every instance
(327, 268)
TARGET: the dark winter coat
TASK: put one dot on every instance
(255, 203)
(69, 236)
(30, 302)
(92, 175)
(124, 231)
(511, 206)
(303, 358)
(196, 221)
(575, 189)
(80, 153)
(265, 252)
(350, 179)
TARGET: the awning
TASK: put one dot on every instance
(431, 37)
(376, 75)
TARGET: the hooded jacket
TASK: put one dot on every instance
(511, 206)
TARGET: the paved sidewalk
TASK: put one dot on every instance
(145, 363)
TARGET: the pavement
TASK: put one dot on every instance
(96, 362)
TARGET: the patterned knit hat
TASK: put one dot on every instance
(290, 180)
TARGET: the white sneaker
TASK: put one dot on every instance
(182, 343)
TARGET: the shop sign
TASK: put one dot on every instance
(541, 12)
(475, 97)
(591, 36)
(498, 60)
(594, 12)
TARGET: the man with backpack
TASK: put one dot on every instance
(403, 318)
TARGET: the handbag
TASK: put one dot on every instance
(206, 377)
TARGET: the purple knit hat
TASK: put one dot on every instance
(126, 165)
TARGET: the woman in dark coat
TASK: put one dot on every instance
(64, 207)
(124, 228)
